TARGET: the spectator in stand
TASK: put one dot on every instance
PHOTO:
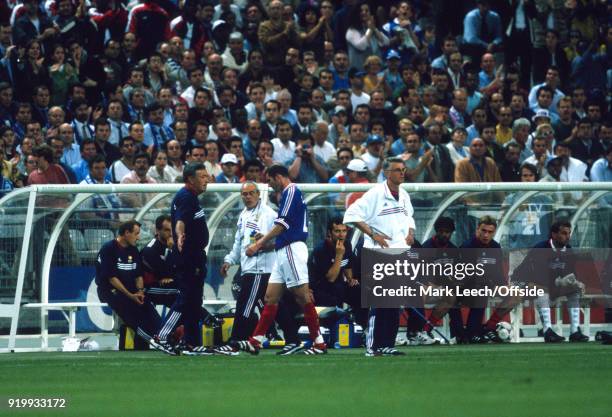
(151, 25)
(456, 147)
(46, 172)
(121, 167)
(478, 167)
(601, 171)
(583, 143)
(482, 31)
(138, 176)
(229, 166)
(88, 151)
(276, 35)
(160, 171)
(509, 169)
(363, 37)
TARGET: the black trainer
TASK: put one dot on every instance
(290, 349)
(551, 337)
(478, 339)
(315, 349)
(391, 351)
(578, 336)
(197, 351)
(227, 350)
(493, 337)
(163, 346)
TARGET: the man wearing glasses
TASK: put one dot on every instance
(385, 216)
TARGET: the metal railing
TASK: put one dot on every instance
(48, 227)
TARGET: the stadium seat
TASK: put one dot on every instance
(95, 238)
(78, 240)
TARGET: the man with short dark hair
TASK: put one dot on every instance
(138, 176)
(47, 172)
(331, 272)
(99, 204)
(549, 265)
(122, 167)
(88, 151)
(489, 255)
(255, 220)
(103, 146)
(290, 270)
(156, 133)
(120, 284)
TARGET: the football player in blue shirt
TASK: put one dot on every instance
(290, 270)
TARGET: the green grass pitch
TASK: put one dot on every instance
(534, 380)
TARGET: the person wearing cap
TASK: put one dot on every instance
(374, 155)
(235, 56)
(229, 165)
(337, 127)
(357, 173)
(392, 78)
(358, 96)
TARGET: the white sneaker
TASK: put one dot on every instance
(425, 338)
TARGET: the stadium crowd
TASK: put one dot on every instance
(472, 91)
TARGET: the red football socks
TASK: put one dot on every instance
(265, 321)
(312, 321)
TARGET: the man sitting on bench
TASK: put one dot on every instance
(120, 283)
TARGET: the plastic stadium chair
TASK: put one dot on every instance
(95, 238)
(78, 240)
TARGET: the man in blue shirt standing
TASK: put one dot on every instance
(482, 31)
(290, 270)
(190, 232)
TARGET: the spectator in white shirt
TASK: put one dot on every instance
(322, 148)
(284, 147)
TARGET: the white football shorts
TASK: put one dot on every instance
(291, 265)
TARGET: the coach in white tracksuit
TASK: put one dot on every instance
(256, 220)
(385, 216)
